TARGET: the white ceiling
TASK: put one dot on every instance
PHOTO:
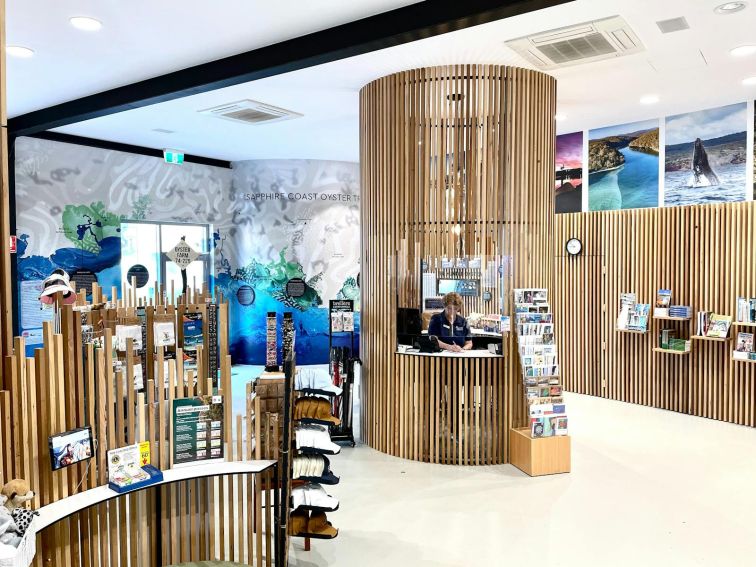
(145, 38)
(688, 70)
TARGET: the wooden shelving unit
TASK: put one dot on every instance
(670, 351)
(743, 324)
(631, 331)
(715, 339)
(673, 318)
(744, 360)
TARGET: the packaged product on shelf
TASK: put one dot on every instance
(638, 317)
(744, 346)
(627, 302)
(123, 332)
(165, 334)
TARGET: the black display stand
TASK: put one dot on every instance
(344, 359)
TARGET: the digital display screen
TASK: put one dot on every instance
(70, 447)
(466, 288)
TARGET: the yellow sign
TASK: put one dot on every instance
(144, 453)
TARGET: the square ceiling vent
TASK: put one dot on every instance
(581, 43)
(251, 112)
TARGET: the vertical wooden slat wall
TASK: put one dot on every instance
(6, 298)
(68, 385)
(704, 254)
(455, 162)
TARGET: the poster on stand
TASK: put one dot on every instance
(193, 337)
(197, 428)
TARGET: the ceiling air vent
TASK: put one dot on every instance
(251, 112)
(582, 43)
(673, 25)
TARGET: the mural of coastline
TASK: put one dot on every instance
(271, 221)
(623, 164)
(568, 190)
(705, 156)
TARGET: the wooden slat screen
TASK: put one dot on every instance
(705, 255)
(455, 161)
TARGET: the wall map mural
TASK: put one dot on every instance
(271, 221)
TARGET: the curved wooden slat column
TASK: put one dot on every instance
(455, 161)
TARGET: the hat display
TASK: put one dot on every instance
(315, 468)
(313, 497)
(315, 526)
(314, 438)
(57, 282)
(298, 522)
(310, 409)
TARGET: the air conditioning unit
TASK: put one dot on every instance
(581, 43)
(251, 112)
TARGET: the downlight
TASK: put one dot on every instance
(730, 8)
(19, 51)
(85, 23)
(743, 50)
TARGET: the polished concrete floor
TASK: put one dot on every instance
(648, 487)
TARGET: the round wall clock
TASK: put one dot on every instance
(574, 246)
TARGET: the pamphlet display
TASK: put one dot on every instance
(633, 316)
(746, 310)
(539, 362)
(663, 299)
(288, 335)
(744, 347)
(197, 427)
(193, 337)
(212, 342)
(710, 324)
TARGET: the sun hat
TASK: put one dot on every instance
(313, 497)
(310, 409)
(314, 438)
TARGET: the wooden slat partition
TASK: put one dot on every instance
(68, 385)
(455, 162)
(704, 254)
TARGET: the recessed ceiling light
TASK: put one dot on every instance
(730, 8)
(750, 81)
(649, 99)
(85, 23)
(560, 117)
(19, 51)
(743, 50)
(164, 131)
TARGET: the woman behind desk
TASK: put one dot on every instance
(450, 327)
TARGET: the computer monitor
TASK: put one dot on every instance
(409, 324)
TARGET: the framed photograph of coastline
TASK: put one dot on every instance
(623, 166)
(568, 188)
(706, 156)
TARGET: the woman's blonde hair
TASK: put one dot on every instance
(453, 298)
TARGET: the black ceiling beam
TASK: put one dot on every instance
(129, 148)
(396, 27)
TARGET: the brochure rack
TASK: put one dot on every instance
(543, 447)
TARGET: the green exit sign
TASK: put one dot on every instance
(173, 156)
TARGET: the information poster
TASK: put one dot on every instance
(197, 430)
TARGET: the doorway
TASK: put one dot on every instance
(144, 248)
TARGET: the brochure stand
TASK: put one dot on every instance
(544, 447)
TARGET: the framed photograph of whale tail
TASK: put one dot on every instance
(568, 188)
(706, 156)
(623, 166)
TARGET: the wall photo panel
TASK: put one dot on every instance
(568, 188)
(706, 156)
(623, 164)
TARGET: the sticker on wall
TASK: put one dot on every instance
(568, 187)
(623, 162)
(295, 287)
(84, 279)
(705, 156)
(245, 295)
(140, 272)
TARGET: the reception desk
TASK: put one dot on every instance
(451, 408)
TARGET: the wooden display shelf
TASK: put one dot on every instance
(673, 318)
(748, 360)
(715, 339)
(670, 351)
(743, 324)
(631, 331)
(539, 456)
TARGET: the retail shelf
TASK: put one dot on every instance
(716, 339)
(673, 318)
(743, 324)
(631, 331)
(744, 360)
(670, 351)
